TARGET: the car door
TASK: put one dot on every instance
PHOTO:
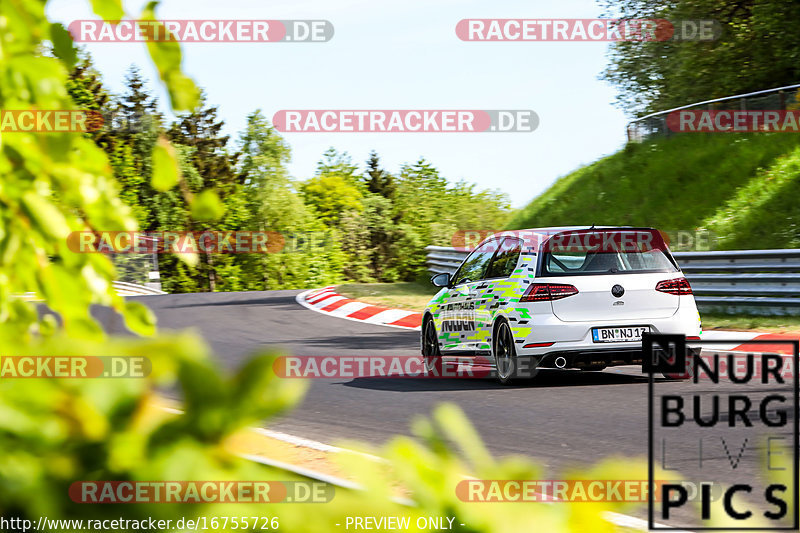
(494, 290)
(458, 328)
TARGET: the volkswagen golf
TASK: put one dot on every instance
(576, 297)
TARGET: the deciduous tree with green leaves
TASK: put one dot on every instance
(759, 48)
(311, 253)
(335, 188)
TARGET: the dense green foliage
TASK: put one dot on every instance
(338, 224)
(759, 49)
(742, 187)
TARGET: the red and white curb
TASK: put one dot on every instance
(326, 300)
(736, 338)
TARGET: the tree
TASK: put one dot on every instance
(430, 211)
(311, 253)
(333, 162)
(378, 180)
(138, 107)
(334, 189)
(421, 197)
(85, 87)
(759, 49)
(331, 196)
(370, 239)
(200, 130)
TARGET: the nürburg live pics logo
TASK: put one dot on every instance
(723, 426)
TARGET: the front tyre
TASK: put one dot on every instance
(431, 356)
(504, 353)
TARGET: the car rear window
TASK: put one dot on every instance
(592, 252)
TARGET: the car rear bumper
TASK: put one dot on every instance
(575, 338)
(596, 358)
(592, 358)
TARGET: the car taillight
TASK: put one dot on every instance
(545, 292)
(677, 286)
(539, 344)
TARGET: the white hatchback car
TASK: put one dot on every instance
(573, 297)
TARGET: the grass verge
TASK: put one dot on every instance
(742, 187)
(770, 324)
(409, 295)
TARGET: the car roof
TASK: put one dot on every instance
(551, 229)
(533, 237)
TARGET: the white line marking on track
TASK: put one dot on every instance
(632, 522)
(618, 519)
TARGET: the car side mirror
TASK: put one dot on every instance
(441, 280)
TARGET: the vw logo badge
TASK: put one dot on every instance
(617, 291)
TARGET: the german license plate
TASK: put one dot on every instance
(621, 334)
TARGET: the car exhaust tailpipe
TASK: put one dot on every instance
(560, 362)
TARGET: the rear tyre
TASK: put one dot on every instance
(431, 356)
(504, 353)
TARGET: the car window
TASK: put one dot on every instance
(474, 267)
(605, 252)
(506, 259)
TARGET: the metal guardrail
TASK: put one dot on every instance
(122, 288)
(132, 289)
(139, 269)
(655, 124)
(760, 282)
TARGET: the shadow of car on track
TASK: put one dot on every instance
(544, 378)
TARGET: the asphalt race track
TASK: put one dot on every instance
(562, 418)
(559, 417)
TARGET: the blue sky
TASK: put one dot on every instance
(401, 55)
